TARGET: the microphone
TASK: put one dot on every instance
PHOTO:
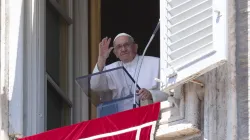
(150, 40)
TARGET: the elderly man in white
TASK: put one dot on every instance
(125, 49)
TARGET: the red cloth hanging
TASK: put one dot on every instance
(138, 123)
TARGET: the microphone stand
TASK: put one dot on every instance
(150, 40)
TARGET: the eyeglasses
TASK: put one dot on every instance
(125, 45)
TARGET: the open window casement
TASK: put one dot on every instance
(193, 39)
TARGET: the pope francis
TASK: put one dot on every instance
(125, 48)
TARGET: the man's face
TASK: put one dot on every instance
(124, 49)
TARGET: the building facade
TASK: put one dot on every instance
(45, 46)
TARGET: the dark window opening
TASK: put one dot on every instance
(137, 18)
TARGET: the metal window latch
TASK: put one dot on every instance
(218, 13)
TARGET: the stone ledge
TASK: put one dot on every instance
(181, 130)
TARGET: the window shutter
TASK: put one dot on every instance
(193, 38)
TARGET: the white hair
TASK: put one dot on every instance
(124, 34)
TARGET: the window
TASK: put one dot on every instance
(58, 102)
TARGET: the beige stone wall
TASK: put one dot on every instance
(242, 86)
(226, 97)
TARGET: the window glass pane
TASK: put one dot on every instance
(56, 47)
(57, 111)
(54, 108)
(52, 44)
(64, 4)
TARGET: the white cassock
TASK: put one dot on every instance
(117, 82)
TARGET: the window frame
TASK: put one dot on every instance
(35, 111)
(35, 67)
(62, 12)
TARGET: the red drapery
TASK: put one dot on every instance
(133, 124)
